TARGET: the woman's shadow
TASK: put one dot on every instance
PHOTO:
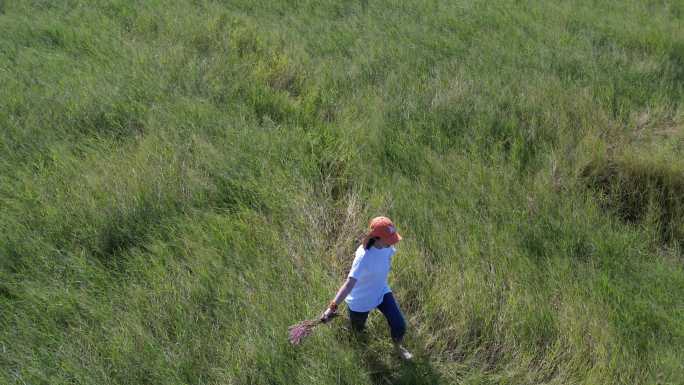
(383, 364)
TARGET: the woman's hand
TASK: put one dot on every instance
(327, 315)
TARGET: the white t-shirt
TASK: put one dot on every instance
(370, 269)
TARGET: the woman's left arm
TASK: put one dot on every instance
(342, 293)
(344, 290)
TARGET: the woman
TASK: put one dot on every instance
(366, 286)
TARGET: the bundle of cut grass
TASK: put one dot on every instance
(302, 329)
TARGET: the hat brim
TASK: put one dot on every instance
(392, 239)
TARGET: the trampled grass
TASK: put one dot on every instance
(181, 181)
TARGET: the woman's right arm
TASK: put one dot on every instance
(342, 293)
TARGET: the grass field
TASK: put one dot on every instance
(180, 181)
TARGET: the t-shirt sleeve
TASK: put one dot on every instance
(357, 267)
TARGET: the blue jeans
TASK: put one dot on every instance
(390, 310)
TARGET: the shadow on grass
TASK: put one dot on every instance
(385, 367)
(416, 371)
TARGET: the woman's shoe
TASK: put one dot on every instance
(403, 353)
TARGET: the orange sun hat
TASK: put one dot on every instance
(383, 228)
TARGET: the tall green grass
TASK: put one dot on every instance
(180, 181)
